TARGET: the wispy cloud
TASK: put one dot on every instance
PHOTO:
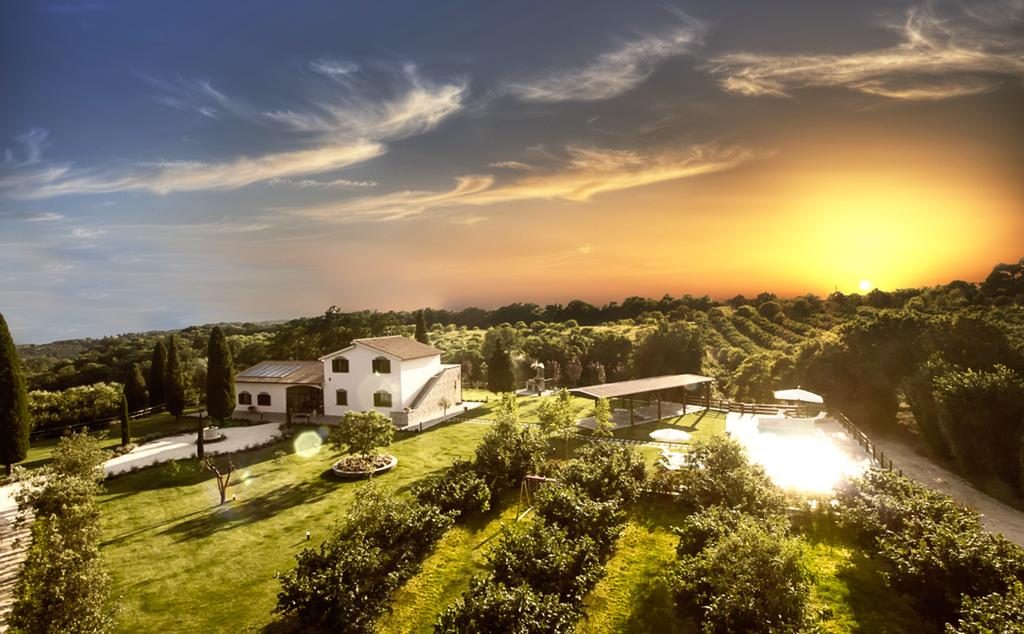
(43, 216)
(307, 183)
(940, 56)
(511, 165)
(614, 72)
(87, 232)
(352, 129)
(588, 172)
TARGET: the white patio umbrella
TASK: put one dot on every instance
(799, 395)
(670, 435)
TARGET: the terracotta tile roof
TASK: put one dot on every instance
(399, 346)
(304, 372)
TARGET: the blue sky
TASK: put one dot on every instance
(173, 163)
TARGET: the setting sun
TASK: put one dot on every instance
(865, 286)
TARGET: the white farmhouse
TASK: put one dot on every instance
(396, 376)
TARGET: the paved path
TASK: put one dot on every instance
(184, 446)
(14, 542)
(996, 516)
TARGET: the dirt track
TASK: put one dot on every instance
(997, 517)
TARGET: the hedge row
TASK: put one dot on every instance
(937, 550)
(540, 572)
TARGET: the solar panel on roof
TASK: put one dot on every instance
(271, 370)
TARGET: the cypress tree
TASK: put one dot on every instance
(500, 374)
(14, 422)
(126, 431)
(174, 380)
(421, 328)
(220, 382)
(135, 389)
(157, 370)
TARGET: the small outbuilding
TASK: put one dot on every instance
(682, 388)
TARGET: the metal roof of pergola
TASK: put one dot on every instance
(641, 386)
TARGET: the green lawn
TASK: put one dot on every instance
(446, 573)
(698, 425)
(849, 589)
(527, 405)
(181, 563)
(632, 596)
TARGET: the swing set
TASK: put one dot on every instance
(529, 487)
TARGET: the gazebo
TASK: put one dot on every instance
(656, 386)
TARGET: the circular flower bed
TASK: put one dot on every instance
(363, 466)
(213, 434)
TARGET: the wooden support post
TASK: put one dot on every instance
(631, 413)
(659, 406)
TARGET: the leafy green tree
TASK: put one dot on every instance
(716, 472)
(346, 583)
(220, 382)
(672, 348)
(490, 606)
(174, 380)
(607, 471)
(63, 585)
(544, 557)
(126, 431)
(603, 424)
(558, 417)
(752, 579)
(459, 490)
(361, 433)
(508, 453)
(14, 419)
(421, 328)
(500, 373)
(1003, 613)
(135, 389)
(157, 370)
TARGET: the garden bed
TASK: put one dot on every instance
(362, 466)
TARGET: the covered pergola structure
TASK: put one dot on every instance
(692, 388)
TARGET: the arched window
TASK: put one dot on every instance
(244, 398)
(263, 398)
(339, 365)
(382, 365)
(341, 397)
(382, 399)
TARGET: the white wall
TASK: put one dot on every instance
(361, 382)
(404, 381)
(415, 373)
(277, 392)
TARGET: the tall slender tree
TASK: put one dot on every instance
(157, 370)
(126, 430)
(220, 382)
(14, 422)
(174, 380)
(135, 389)
(421, 328)
(500, 373)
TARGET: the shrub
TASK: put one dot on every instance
(459, 490)
(344, 585)
(607, 471)
(490, 606)
(508, 453)
(699, 530)
(716, 472)
(751, 579)
(63, 586)
(544, 557)
(1003, 613)
(362, 433)
(579, 516)
(937, 550)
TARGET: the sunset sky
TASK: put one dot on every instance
(164, 164)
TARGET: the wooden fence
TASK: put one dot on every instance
(54, 432)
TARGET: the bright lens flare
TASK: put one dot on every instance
(307, 444)
(866, 285)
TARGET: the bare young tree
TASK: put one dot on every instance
(223, 476)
